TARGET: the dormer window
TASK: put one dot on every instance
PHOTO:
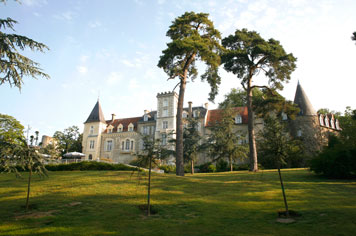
(131, 127)
(110, 128)
(332, 124)
(321, 120)
(337, 124)
(195, 113)
(120, 128)
(284, 116)
(185, 114)
(326, 121)
(238, 119)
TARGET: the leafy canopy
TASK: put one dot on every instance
(13, 65)
(193, 37)
(248, 54)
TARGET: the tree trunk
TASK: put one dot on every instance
(179, 130)
(28, 187)
(284, 195)
(149, 189)
(251, 131)
(231, 167)
(192, 165)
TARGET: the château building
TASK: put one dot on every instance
(118, 140)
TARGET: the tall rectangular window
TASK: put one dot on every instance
(91, 144)
(109, 145)
(91, 129)
(165, 125)
(165, 112)
(164, 139)
(145, 130)
(165, 103)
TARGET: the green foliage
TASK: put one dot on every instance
(248, 53)
(238, 98)
(271, 103)
(70, 140)
(11, 130)
(225, 142)
(276, 147)
(222, 165)
(168, 168)
(338, 159)
(13, 65)
(326, 111)
(88, 165)
(193, 38)
(207, 168)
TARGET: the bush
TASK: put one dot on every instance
(337, 161)
(207, 168)
(86, 165)
(222, 165)
(240, 167)
(168, 168)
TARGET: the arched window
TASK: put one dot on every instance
(90, 157)
(337, 124)
(127, 147)
(132, 145)
(238, 119)
(332, 123)
(185, 114)
(123, 145)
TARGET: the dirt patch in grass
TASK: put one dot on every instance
(36, 215)
(283, 218)
(143, 208)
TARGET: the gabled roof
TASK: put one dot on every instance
(301, 99)
(215, 116)
(96, 114)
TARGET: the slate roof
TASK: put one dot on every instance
(301, 99)
(96, 114)
(125, 123)
(215, 116)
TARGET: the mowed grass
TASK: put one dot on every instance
(238, 203)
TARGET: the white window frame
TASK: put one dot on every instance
(91, 144)
(238, 119)
(145, 118)
(165, 112)
(130, 127)
(165, 102)
(164, 139)
(165, 124)
(127, 144)
(109, 145)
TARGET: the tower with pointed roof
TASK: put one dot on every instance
(306, 125)
(93, 128)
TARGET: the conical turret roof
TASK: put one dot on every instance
(301, 99)
(96, 114)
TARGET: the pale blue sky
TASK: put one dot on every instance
(112, 48)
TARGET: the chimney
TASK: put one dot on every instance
(206, 105)
(112, 117)
(145, 112)
(190, 109)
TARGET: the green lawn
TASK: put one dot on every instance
(239, 203)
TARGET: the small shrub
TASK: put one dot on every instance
(207, 168)
(237, 167)
(336, 162)
(86, 165)
(222, 165)
(168, 168)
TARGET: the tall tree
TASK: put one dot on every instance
(246, 56)
(237, 98)
(193, 38)
(14, 66)
(69, 140)
(11, 130)
(225, 142)
(191, 141)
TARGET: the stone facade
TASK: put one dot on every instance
(119, 140)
